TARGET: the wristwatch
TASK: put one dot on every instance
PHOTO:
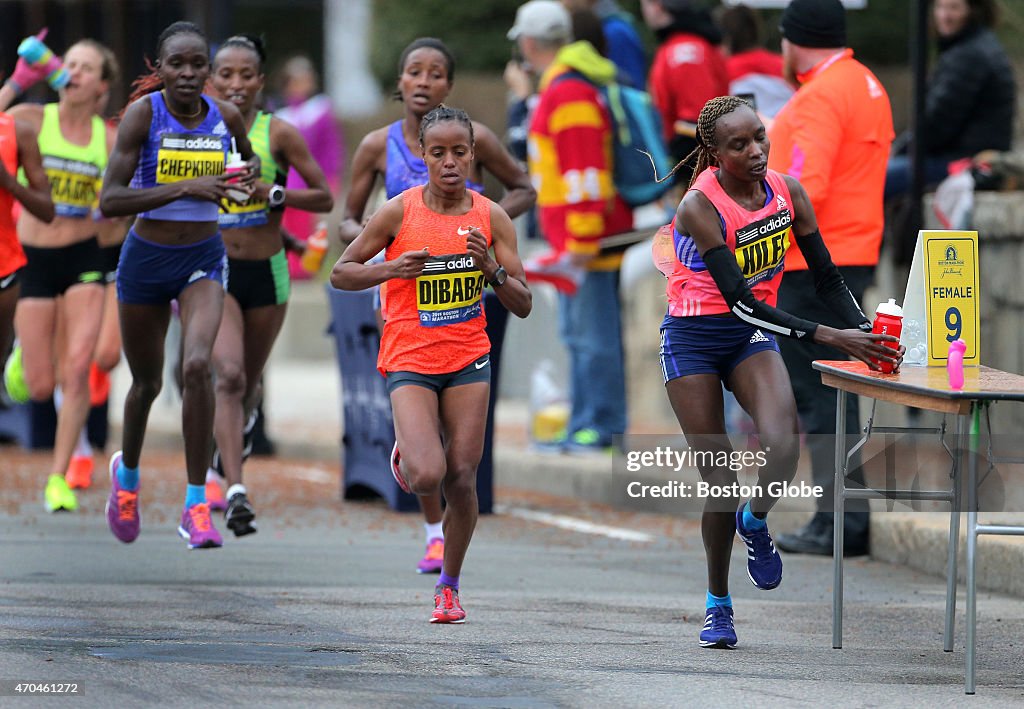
(276, 196)
(500, 276)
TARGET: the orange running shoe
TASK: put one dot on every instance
(79, 474)
(99, 385)
(215, 496)
(447, 608)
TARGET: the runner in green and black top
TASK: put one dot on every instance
(259, 286)
(63, 280)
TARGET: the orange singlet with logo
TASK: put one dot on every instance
(435, 322)
(11, 255)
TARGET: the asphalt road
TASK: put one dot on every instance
(322, 608)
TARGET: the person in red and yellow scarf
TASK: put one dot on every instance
(570, 162)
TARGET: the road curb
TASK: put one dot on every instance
(919, 540)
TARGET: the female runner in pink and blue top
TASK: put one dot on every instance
(732, 230)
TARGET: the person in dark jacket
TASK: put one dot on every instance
(971, 94)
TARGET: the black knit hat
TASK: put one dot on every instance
(814, 23)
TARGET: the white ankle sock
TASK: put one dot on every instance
(434, 531)
(83, 449)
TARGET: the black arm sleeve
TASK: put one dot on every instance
(829, 283)
(722, 266)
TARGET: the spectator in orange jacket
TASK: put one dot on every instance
(570, 165)
(834, 136)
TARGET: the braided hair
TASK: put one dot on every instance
(707, 123)
(443, 114)
(148, 83)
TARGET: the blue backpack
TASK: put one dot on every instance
(636, 125)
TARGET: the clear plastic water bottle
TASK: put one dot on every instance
(913, 338)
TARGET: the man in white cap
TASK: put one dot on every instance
(570, 161)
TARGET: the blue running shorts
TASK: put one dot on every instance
(155, 274)
(709, 345)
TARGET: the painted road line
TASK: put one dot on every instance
(575, 524)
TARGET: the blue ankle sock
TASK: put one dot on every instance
(750, 522)
(127, 478)
(714, 600)
(194, 495)
(447, 580)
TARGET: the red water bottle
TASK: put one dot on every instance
(888, 321)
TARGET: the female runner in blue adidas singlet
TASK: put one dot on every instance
(258, 289)
(426, 73)
(168, 168)
(732, 230)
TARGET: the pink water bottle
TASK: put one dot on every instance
(33, 51)
(955, 363)
(888, 321)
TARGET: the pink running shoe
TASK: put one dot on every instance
(447, 608)
(434, 558)
(122, 506)
(396, 458)
(197, 529)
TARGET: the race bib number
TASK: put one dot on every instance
(250, 213)
(73, 185)
(186, 156)
(449, 291)
(761, 247)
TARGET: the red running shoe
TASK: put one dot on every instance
(79, 473)
(447, 608)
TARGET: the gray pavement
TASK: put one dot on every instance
(321, 607)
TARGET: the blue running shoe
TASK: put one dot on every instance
(764, 565)
(718, 628)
